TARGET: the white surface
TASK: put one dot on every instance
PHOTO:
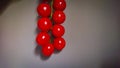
(92, 35)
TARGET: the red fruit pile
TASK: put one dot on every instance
(51, 18)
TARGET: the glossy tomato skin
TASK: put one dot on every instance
(47, 50)
(59, 5)
(44, 24)
(58, 17)
(42, 38)
(44, 10)
(59, 43)
(58, 30)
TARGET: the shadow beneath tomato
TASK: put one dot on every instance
(38, 52)
(44, 1)
(39, 1)
(56, 51)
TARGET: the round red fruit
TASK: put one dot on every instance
(58, 30)
(44, 10)
(44, 24)
(42, 38)
(59, 43)
(47, 50)
(59, 17)
(59, 5)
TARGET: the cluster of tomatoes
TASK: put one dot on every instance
(51, 18)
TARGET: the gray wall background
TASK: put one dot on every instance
(92, 35)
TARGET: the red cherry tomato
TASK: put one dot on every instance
(59, 5)
(59, 17)
(44, 10)
(42, 38)
(58, 30)
(48, 49)
(59, 43)
(44, 24)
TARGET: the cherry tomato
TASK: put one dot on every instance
(59, 5)
(44, 10)
(58, 30)
(47, 50)
(59, 43)
(58, 17)
(44, 24)
(42, 38)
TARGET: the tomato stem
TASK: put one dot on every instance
(51, 4)
(51, 9)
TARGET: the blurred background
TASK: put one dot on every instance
(92, 35)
